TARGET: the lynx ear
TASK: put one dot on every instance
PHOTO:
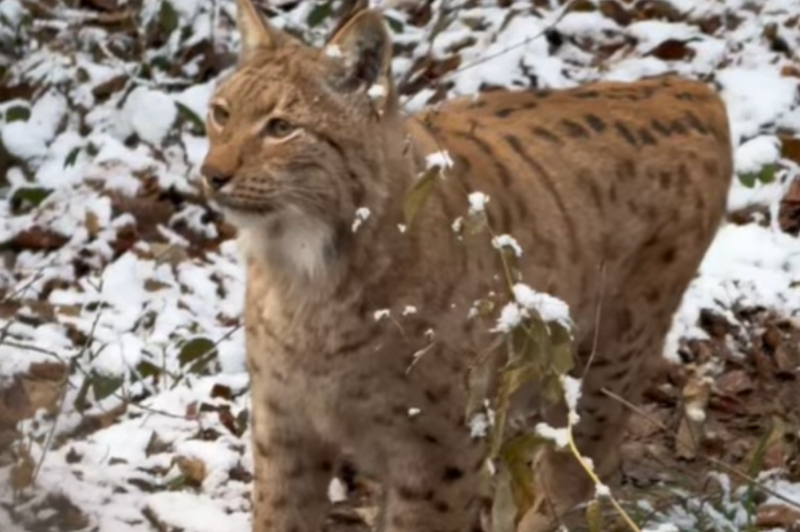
(365, 48)
(256, 33)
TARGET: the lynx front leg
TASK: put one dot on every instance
(432, 485)
(292, 473)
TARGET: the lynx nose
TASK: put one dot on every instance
(214, 178)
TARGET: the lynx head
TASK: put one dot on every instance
(299, 137)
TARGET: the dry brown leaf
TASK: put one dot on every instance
(614, 10)
(41, 394)
(193, 469)
(777, 516)
(22, 472)
(734, 382)
(672, 50)
(790, 147)
(789, 212)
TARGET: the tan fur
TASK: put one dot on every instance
(609, 188)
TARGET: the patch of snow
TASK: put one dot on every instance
(747, 265)
(362, 214)
(510, 317)
(150, 114)
(29, 139)
(439, 159)
(754, 98)
(194, 512)
(560, 437)
(551, 309)
(508, 241)
(477, 202)
(337, 492)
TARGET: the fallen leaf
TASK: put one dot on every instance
(193, 470)
(734, 382)
(777, 516)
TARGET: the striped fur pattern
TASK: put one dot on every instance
(357, 329)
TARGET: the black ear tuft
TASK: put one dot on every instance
(364, 45)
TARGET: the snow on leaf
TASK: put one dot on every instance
(362, 214)
(440, 159)
(507, 241)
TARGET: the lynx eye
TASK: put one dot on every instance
(219, 114)
(278, 128)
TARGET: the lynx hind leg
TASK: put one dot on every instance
(623, 370)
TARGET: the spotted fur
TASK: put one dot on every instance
(612, 189)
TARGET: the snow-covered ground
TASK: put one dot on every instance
(112, 264)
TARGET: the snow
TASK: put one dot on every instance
(479, 425)
(439, 159)
(560, 437)
(376, 92)
(477, 202)
(547, 306)
(755, 153)
(572, 394)
(507, 241)
(28, 139)
(755, 97)
(362, 214)
(749, 266)
(194, 513)
(150, 114)
(337, 491)
(333, 50)
(510, 317)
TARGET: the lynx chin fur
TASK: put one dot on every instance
(310, 157)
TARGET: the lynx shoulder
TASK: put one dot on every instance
(359, 327)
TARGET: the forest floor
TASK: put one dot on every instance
(124, 404)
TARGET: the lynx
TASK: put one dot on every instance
(358, 328)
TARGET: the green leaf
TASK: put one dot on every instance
(196, 351)
(319, 14)
(161, 62)
(418, 195)
(594, 516)
(27, 198)
(72, 157)
(80, 403)
(148, 369)
(242, 420)
(516, 454)
(104, 385)
(167, 18)
(18, 113)
(198, 126)
(767, 173)
(504, 509)
(562, 360)
(748, 179)
(394, 24)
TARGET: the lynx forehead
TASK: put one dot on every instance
(310, 157)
